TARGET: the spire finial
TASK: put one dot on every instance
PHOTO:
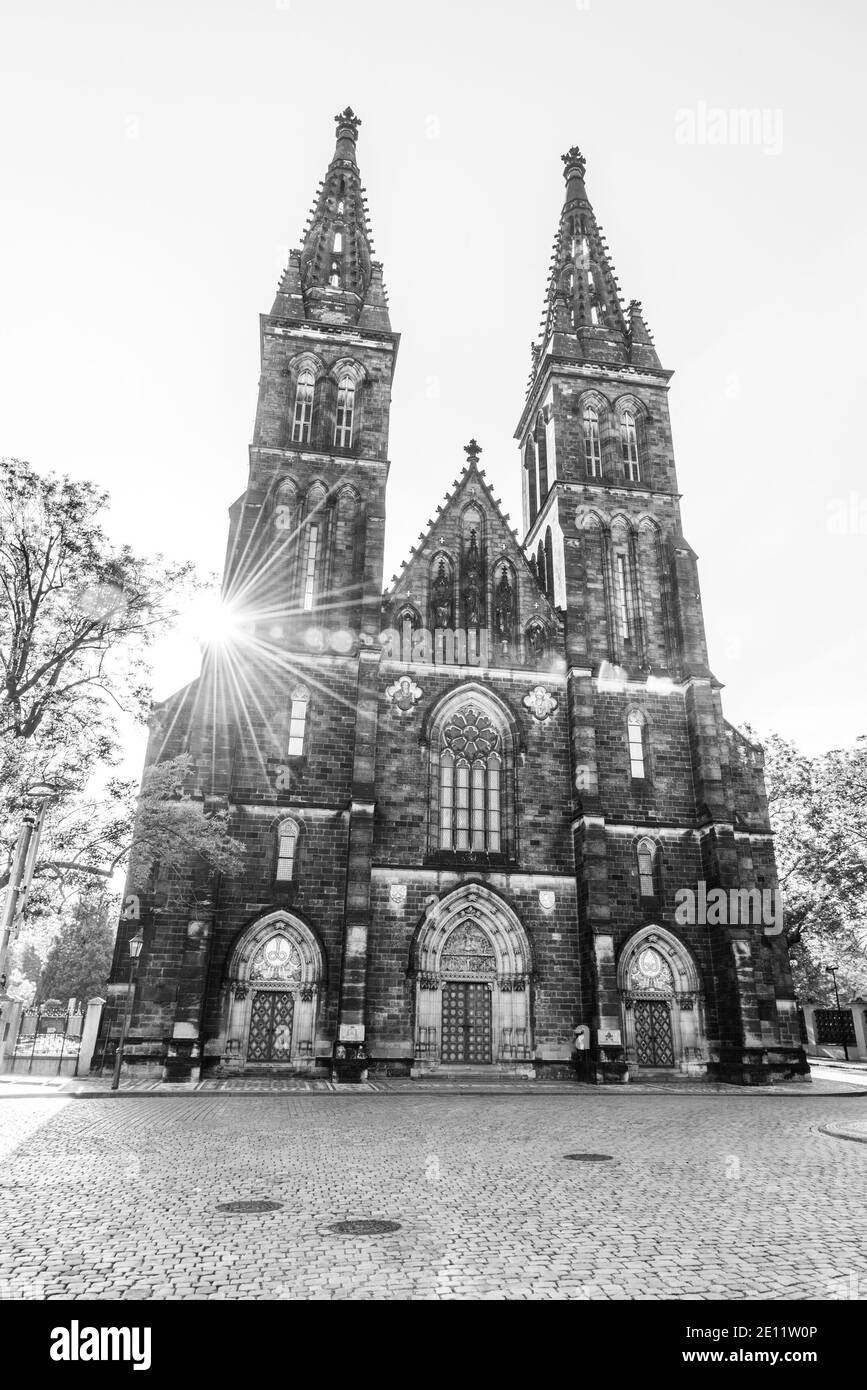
(574, 161)
(472, 451)
(347, 123)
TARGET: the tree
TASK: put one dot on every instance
(80, 959)
(77, 616)
(818, 809)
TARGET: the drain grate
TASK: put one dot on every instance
(589, 1158)
(363, 1227)
(256, 1204)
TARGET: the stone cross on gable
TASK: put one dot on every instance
(472, 451)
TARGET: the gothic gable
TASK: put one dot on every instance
(467, 586)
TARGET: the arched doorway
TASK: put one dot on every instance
(662, 1004)
(472, 966)
(274, 981)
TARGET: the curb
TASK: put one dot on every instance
(834, 1132)
(576, 1092)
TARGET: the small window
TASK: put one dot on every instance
(592, 444)
(297, 723)
(646, 851)
(287, 844)
(310, 567)
(636, 732)
(338, 243)
(334, 277)
(622, 599)
(629, 446)
(303, 417)
(345, 412)
(340, 207)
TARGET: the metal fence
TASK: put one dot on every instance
(835, 1026)
(49, 1040)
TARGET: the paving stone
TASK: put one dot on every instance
(503, 1220)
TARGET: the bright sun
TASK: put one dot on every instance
(209, 620)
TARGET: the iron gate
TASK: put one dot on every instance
(49, 1040)
(835, 1026)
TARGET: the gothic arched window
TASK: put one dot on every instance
(470, 768)
(549, 564)
(285, 507)
(287, 848)
(647, 855)
(345, 412)
(542, 456)
(629, 446)
(637, 738)
(504, 605)
(303, 417)
(592, 442)
(408, 622)
(530, 468)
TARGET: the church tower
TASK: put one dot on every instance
(281, 725)
(471, 803)
(668, 795)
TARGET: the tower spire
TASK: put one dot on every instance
(583, 298)
(333, 277)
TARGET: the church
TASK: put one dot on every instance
(468, 799)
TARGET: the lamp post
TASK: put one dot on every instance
(832, 971)
(135, 945)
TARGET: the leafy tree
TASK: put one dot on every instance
(818, 809)
(80, 959)
(78, 615)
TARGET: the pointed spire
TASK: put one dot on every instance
(333, 278)
(641, 350)
(583, 303)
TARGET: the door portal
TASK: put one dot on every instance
(653, 1039)
(271, 1026)
(466, 1022)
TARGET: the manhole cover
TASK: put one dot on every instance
(589, 1158)
(253, 1205)
(364, 1227)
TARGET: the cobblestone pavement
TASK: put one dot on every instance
(703, 1197)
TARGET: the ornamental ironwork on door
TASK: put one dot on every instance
(653, 1033)
(271, 1026)
(466, 1022)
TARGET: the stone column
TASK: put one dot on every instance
(89, 1033)
(350, 1052)
(10, 1021)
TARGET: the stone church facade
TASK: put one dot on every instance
(468, 802)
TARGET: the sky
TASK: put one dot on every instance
(158, 160)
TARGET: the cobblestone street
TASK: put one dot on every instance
(734, 1196)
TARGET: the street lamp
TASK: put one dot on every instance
(832, 971)
(135, 944)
